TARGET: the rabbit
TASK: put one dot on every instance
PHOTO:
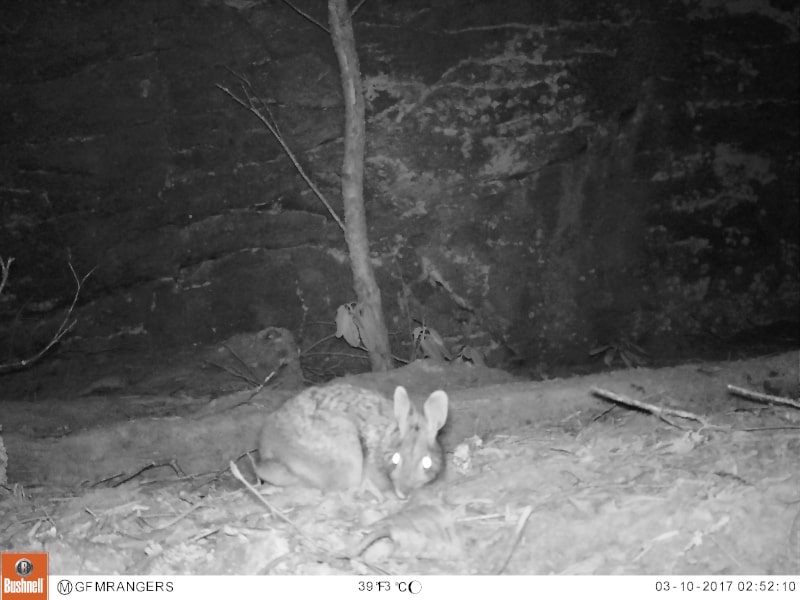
(341, 437)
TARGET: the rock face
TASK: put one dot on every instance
(542, 178)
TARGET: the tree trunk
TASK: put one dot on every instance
(364, 284)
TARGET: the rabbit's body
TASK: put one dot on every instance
(338, 436)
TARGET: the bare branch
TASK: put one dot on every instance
(6, 269)
(759, 397)
(355, 10)
(306, 16)
(67, 324)
(273, 129)
(657, 411)
(275, 511)
(523, 519)
(238, 76)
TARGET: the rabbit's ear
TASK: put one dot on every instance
(435, 414)
(402, 409)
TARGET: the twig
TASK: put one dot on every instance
(234, 372)
(242, 362)
(523, 519)
(355, 10)
(601, 415)
(275, 512)
(267, 379)
(342, 354)
(759, 397)
(63, 329)
(776, 428)
(173, 464)
(317, 343)
(175, 520)
(246, 85)
(306, 16)
(279, 138)
(657, 411)
(6, 268)
(238, 76)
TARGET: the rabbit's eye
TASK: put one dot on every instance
(427, 463)
(396, 458)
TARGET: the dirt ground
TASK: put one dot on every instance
(542, 478)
